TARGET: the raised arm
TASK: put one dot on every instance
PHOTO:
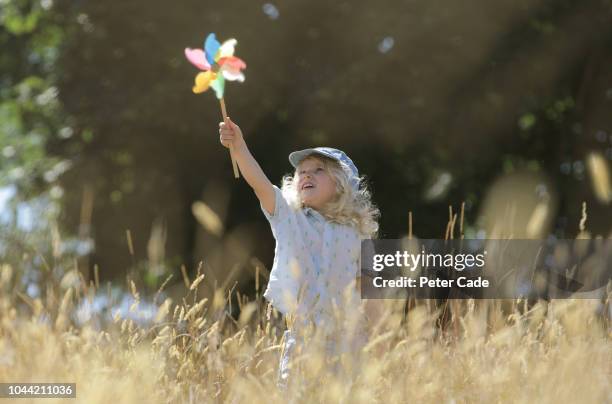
(250, 169)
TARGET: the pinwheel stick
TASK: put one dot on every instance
(231, 148)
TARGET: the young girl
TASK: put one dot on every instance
(318, 218)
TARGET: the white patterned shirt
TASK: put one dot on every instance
(316, 255)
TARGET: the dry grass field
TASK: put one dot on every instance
(193, 351)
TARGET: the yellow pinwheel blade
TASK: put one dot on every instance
(202, 81)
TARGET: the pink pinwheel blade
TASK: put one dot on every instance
(197, 58)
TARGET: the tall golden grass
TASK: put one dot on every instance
(194, 351)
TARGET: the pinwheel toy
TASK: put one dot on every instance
(218, 63)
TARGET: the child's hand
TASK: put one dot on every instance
(231, 134)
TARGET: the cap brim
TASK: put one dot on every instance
(297, 156)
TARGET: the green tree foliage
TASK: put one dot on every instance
(30, 110)
(31, 118)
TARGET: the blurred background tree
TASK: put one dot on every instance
(434, 101)
(31, 119)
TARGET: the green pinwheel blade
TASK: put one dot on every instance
(218, 85)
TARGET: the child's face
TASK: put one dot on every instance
(316, 186)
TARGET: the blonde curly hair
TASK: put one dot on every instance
(349, 207)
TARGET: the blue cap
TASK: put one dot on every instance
(335, 154)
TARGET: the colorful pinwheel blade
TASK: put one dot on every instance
(204, 80)
(218, 85)
(232, 76)
(226, 49)
(232, 62)
(211, 46)
(197, 58)
(231, 68)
